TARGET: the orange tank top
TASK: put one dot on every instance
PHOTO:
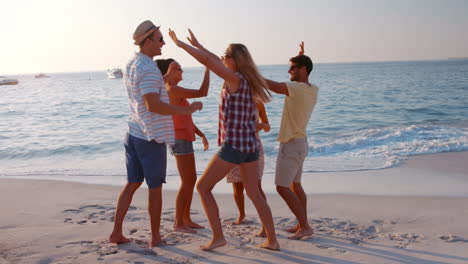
(183, 124)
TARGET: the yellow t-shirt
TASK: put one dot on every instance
(298, 107)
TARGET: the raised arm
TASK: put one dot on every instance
(214, 64)
(194, 42)
(180, 92)
(301, 48)
(149, 84)
(277, 87)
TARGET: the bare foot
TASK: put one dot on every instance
(239, 220)
(155, 242)
(194, 225)
(119, 239)
(262, 233)
(184, 229)
(301, 232)
(270, 245)
(292, 229)
(214, 244)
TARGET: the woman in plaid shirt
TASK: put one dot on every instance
(243, 86)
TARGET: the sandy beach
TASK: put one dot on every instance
(45, 221)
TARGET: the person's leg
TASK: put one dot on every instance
(238, 189)
(123, 203)
(262, 232)
(188, 176)
(153, 157)
(135, 179)
(154, 210)
(249, 176)
(291, 156)
(296, 187)
(297, 209)
(216, 170)
(261, 167)
(187, 219)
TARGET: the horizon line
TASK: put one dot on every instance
(272, 64)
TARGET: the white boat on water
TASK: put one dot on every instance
(41, 75)
(8, 82)
(114, 73)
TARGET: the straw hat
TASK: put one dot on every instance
(143, 30)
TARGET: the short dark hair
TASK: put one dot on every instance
(163, 64)
(303, 60)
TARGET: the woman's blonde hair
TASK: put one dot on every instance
(249, 70)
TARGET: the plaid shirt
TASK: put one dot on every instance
(237, 115)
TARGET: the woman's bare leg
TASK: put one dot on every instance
(238, 188)
(248, 172)
(216, 171)
(262, 232)
(188, 176)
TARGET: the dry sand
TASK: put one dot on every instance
(62, 222)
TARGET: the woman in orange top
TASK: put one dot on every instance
(185, 131)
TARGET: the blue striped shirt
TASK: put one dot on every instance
(142, 76)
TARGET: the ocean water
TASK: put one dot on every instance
(369, 116)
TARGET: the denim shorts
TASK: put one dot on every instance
(146, 160)
(182, 147)
(229, 154)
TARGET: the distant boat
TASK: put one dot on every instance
(114, 73)
(8, 82)
(41, 75)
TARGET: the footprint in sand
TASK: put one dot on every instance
(95, 213)
(229, 220)
(331, 248)
(405, 239)
(67, 259)
(168, 215)
(285, 222)
(452, 238)
(89, 247)
(173, 238)
(322, 246)
(356, 234)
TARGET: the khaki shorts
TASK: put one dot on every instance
(291, 156)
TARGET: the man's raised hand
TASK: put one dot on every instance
(301, 46)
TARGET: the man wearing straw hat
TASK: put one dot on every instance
(150, 128)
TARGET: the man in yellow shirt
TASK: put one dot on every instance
(299, 103)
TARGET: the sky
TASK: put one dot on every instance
(88, 35)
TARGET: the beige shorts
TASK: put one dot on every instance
(291, 156)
